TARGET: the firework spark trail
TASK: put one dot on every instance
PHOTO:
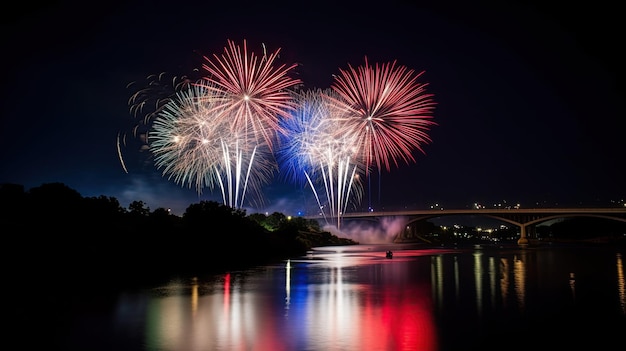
(316, 148)
(119, 153)
(235, 162)
(145, 103)
(338, 181)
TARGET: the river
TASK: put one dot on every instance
(354, 298)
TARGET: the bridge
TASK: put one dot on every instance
(523, 218)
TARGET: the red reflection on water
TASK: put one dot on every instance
(268, 333)
(399, 318)
(227, 292)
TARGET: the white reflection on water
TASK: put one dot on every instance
(572, 285)
(519, 280)
(436, 274)
(493, 275)
(287, 286)
(621, 284)
(504, 280)
(194, 296)
(478, 281)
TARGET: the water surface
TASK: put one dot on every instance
(354, 298)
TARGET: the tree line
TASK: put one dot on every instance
(59, 234)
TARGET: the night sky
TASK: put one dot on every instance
(530, 99)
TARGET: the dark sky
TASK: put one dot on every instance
(530, 98)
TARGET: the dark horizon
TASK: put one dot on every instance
(14, 187)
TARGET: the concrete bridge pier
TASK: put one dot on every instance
(523, 239)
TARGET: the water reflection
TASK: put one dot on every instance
(621, 283)
(338, 311)
(287, 286)
(355, 298)
(325, 304)
(519, 279)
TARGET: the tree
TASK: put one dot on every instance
(275, 220)
(139, 208)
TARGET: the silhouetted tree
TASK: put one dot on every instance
(54, 199)
(164, 224)
(12, 202)
(138, 208)
(54, 217)
(261, 219)
(63, 233)
(275, 220)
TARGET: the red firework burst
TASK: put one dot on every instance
(390, 111)
(253, 92)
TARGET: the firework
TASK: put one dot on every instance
(390, 111)
(254, 93)
(315, 150)
(194, 145)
